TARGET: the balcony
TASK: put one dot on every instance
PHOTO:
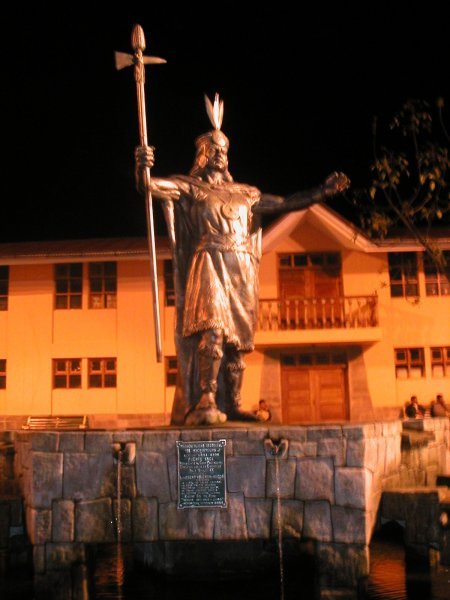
(345, 319)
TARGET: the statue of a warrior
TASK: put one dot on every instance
(214, 227)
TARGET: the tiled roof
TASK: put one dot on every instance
(101, 247)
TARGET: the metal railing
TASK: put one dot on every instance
(318, 313)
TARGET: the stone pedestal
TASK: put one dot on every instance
(330, 482)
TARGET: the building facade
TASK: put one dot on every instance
(348, 329)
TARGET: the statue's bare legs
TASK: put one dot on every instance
(211, 353)
(235, 367)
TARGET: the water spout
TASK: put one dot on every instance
(125, 452)
(277, 450)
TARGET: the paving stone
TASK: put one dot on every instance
(334, 448)
(98, 442)
(71, 441)
(39, 525)
(314, 434)
(160, 441)
(315, 479)
(152, 476)
(230, 523)
(63, 521)
(284, 482)
(201, 523)
(173, 523)
(302, 449)
(46, 469)
(353, 486)
(144, 517)
(291, 518)
(62, 556)
(350, 525)
(247, 474)
(97, 469)
(94, 521)
(317, 521)
(44, 441)
(342, 565)
(258, 515)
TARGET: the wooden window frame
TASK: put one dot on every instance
(440, 359)
(403, 282)
(314, 359)
(407, 365)
(310, 260)
(4, 287)
(437, 283)
(169, 286)
(2, 373)
(171, 368)
(65, 276)
(102, 284)
(69, 377)
(103, 376)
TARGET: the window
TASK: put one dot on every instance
(168, 283)
(4, 287)
(102, 372)
(102, 284)
(324, 260)
(409, 363)
(171, 370)
(440, 362)
(403, 274)
(68, 285)
(67, 373)
(312, 275)
(309, 359)
(2, 373)
(436, 282)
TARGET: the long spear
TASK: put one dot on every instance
(139, 60)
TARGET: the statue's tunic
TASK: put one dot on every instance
(221, 290)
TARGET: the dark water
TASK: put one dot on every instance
(393, 576)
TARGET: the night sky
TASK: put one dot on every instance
(300, 93)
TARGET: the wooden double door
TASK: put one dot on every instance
(314, 392)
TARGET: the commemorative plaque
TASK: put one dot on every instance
(201, 474)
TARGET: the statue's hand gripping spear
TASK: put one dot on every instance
(139, 60)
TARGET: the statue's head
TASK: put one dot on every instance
(212, 147)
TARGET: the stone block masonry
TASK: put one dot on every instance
(330, 485)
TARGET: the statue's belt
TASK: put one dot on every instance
(225, 243)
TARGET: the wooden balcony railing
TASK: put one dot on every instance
(318, 313)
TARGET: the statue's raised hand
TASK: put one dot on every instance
(336, 183)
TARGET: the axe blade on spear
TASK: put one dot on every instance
(139, 60)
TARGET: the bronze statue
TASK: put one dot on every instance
(214, 227)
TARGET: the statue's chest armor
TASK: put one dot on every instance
(222, 203)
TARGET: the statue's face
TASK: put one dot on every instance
(217, 157)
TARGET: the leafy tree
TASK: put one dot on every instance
(410, 180)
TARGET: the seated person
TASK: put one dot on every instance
(263, 413)
(413, 409)
(439, 408)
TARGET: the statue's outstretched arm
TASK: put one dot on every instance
(334, 184)
(163, 189)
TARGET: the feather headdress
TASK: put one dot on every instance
(214, 112)
(215, 115)
(211, 138)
